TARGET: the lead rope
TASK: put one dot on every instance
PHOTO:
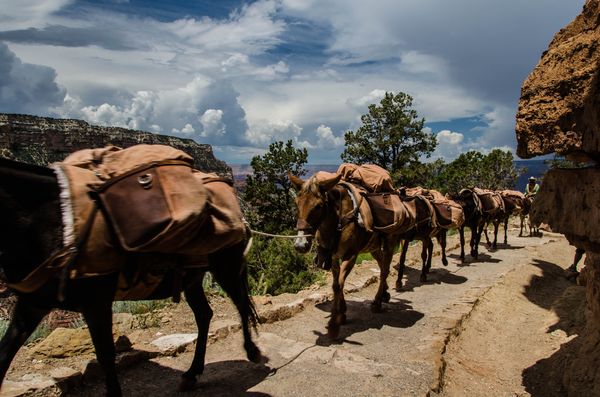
(278, 235)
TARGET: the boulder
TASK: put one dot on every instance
(69, 342)
(558, 109)
(569, 202)
(64, 342)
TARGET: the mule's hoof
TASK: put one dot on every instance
(423, 278)
(187, 383)
(333, 330)
(255, 356)
(386, 297)
(376, 307)
(444, 261)
(398, 286)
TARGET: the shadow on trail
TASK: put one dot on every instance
(552, 291)
(412, 278)
(481, 258)
(223, 378)
(502, 246)
(398, 314)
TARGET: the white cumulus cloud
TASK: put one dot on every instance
(326, 138)
(212, 122)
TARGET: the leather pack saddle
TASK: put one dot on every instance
(491, 201)
(448, 213)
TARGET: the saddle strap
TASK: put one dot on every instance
(353, 214)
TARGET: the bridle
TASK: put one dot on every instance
(302, 225)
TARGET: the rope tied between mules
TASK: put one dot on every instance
(279, 235)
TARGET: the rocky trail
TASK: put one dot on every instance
(477, 329)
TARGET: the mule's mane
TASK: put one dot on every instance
(312, 186)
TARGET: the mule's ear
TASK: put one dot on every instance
(329, 183)
(296, 182)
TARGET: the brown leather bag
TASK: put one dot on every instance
(151, 208)
(389, 212)
(370, 176)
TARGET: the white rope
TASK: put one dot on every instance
(279, 235)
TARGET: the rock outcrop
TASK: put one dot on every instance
(42, 140)
(559, 112)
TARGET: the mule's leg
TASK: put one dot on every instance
(424, 249)
(338, 308)
(478, 237)
(442, 241)
(461, 234)
(346, 267)
(506, 230)
(196, 299)
(98, 316)
(384, 258)
(231, 273)
(522, 218)
(429, 253)
(401, 264)
(485, 231)
(24, 321)
(474, 243)
(496, 224)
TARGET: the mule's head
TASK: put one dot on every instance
(311, 199)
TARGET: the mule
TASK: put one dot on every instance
(326, 214)
(515, 203)
(525, 215)
(424, 229)
(31, 232)
(474, 220)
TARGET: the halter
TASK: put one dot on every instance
(303, 225)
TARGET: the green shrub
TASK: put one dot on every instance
(275, 268)
(41, 332)
(139, 307)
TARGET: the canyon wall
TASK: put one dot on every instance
(43, 140)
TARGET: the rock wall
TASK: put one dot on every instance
(42, 140)
(559, 111)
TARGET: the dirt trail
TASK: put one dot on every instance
(475, 313)
(505, 347)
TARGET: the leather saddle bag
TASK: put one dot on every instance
(151, 207)
(389, 212)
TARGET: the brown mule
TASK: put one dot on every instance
(424, 229)
(515, 203)
(326, 213)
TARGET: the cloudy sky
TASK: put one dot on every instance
(241, 74)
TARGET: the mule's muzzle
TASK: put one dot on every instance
(304, 239)
(302, 242)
